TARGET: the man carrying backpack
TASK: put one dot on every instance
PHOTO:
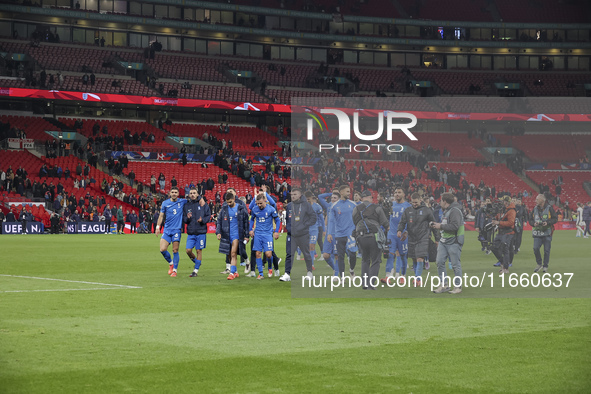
(368, 217)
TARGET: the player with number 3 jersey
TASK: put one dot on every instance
(172, 209)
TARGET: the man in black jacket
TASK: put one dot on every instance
(521, 217)
(300, 216)
(232, 229)
(368, 217)
(196, 214)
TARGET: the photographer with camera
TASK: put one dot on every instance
(542, 220)
(483, 219)
(502, 242)
(450, 243)
(368, 217)
(521, 217)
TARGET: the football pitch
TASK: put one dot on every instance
(99, 314)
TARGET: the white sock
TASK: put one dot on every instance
(228, 266)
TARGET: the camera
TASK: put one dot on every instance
(494, 209)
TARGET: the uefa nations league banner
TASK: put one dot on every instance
(17, 228)
(87, 228)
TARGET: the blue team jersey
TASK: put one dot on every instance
(264, 219)
(329, 216)
(174, 214)
(319, 216)
(341, 223)
(233, 214)
(397, 210)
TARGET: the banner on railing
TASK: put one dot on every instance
(86, 228)
(17, 228)
(19, 143)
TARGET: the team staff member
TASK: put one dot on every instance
(108, 215)
(416, 219)
(368, 217)
(580, 224)
(263, 234)
(196, 215)
(587, 219)
(450, 243)
(173, 210)
(504, 238)
(542, 219)
(286, 277)
(521, 216)
(231, 229)
(300, 217)
(120, 220)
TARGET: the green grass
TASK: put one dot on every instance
(208, 334)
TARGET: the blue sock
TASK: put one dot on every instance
(197, 263)
(166, 256)
(390, 263)
(330, 262)
(403, 264)
(175, 260)
(260, 265)
(335, 264)
(419, 268)
(313, 253)
(269, 262)
(233, 269)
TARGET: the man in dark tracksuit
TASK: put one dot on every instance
(302, 217)
(108, 215)
(120, 220)
(196, 214)
(368, 218)
(232, 216)
(484, 236)
(24, 217)
(288, 262)
(521, 217)
(503, 240)
(416, 218)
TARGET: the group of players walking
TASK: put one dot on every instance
(351, 229)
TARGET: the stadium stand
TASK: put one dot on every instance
(34, 127)
(117, 128)
(572, 186)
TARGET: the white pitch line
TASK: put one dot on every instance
(31, 291)
(73, 281)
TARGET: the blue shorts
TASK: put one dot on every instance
(313, 234)
(262, 243)
(396, 244)
(171, 236)
(196, 241)
(329, 247)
